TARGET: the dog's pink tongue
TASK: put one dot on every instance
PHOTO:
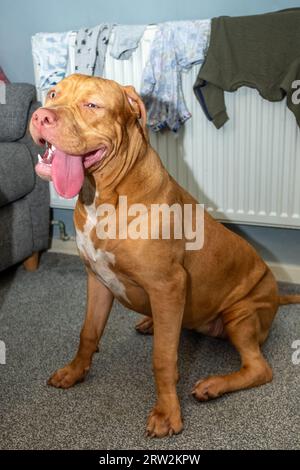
(67, 174)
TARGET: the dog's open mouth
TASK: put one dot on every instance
(66, 171)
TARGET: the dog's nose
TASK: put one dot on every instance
(45, 117)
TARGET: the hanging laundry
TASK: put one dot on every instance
(175, 48)
(126, 39)
(260, 51)
(51, 54)
(90, 52)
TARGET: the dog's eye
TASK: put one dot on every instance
(52, 94)
(91, 105)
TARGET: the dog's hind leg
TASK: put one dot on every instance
(244, 330)
(99, 303)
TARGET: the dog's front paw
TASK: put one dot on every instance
(162, 423)
(68, 376)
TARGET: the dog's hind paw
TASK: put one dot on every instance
(209, 388)
(145, 326)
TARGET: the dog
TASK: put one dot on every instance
(97, 146)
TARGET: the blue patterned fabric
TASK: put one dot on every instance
(90, 52)
(177, 46)
(51, 53)
(126, 40)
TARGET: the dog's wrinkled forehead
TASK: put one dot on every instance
(83, 88)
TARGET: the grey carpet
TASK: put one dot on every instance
(40, 319)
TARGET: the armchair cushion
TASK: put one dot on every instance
(14, 113)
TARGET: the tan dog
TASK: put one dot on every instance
(102, 151)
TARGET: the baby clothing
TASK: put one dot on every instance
(126, 40)
(176, 47)
(51, 54)
(90, 52)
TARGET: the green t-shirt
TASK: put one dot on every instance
(260, 51)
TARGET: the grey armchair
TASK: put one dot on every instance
(24, 198)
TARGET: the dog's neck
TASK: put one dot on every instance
(133, 163)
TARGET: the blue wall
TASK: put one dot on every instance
(20, 19)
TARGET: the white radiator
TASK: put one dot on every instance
(246, 172)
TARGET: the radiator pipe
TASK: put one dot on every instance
(62, 229)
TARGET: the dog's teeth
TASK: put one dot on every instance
(53, 148)
(40, 158)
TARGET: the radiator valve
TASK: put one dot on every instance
(62, 230)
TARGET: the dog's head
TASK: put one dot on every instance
(83, 124)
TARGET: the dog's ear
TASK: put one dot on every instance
(137, 106)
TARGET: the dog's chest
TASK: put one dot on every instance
(100, 261)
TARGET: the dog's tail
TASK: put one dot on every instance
(289, 299)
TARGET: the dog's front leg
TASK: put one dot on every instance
(167, 303)
(99, 303)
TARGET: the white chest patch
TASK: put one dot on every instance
(100, 260)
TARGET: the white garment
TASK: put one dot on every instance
(176, 47)
(51, 54)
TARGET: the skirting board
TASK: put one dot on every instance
(67, 248)
(282, 272)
